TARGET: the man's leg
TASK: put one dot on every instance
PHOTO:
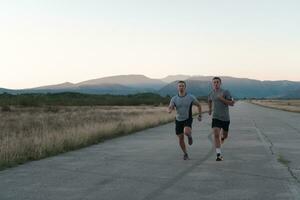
(182, 146)
(188, 132)
(216, 132)
(225, 128)
(182, 143)
(224, 136)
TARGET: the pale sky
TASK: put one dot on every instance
(46, 42)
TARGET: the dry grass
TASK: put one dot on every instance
(34, 133)
(287, 105)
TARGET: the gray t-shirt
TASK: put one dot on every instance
(220, 110)
(183, 105)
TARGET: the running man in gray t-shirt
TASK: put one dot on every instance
(183, 104)
(220, 99)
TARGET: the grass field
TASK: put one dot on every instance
(287, 105)
(31, 133)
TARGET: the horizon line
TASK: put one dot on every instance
(147, 76)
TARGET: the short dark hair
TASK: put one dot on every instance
(217, 78)
(182, 82)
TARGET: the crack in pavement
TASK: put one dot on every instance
(271, 146)
(265, 136)
(294, 189)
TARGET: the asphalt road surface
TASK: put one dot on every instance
(261, 161)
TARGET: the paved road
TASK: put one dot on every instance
(261, 162)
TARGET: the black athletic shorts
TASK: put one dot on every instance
(181, 124)
(216, 123)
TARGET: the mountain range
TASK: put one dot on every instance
(197, 85)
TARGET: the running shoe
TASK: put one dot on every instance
(219, 157)
(185, 156)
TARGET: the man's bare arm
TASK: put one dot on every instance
(197, 103)
(227, 102)
(171, 108)
(209, 106)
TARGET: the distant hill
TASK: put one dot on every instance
(248, 88)
(87, 89)
(4, 90)
(133, 81)
(239, 87)
(197, 88)
(197, 85)
(58, 86)
(172, 78)
(294, 94)
(124, 84)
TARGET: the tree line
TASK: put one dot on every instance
(79, 99)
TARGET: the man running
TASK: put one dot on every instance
(220, 99)
(183, 103)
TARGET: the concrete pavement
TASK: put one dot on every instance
(261, 161)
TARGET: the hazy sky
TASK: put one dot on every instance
(52, 41)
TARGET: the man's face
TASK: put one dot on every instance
(181, 87)
(216, 84)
